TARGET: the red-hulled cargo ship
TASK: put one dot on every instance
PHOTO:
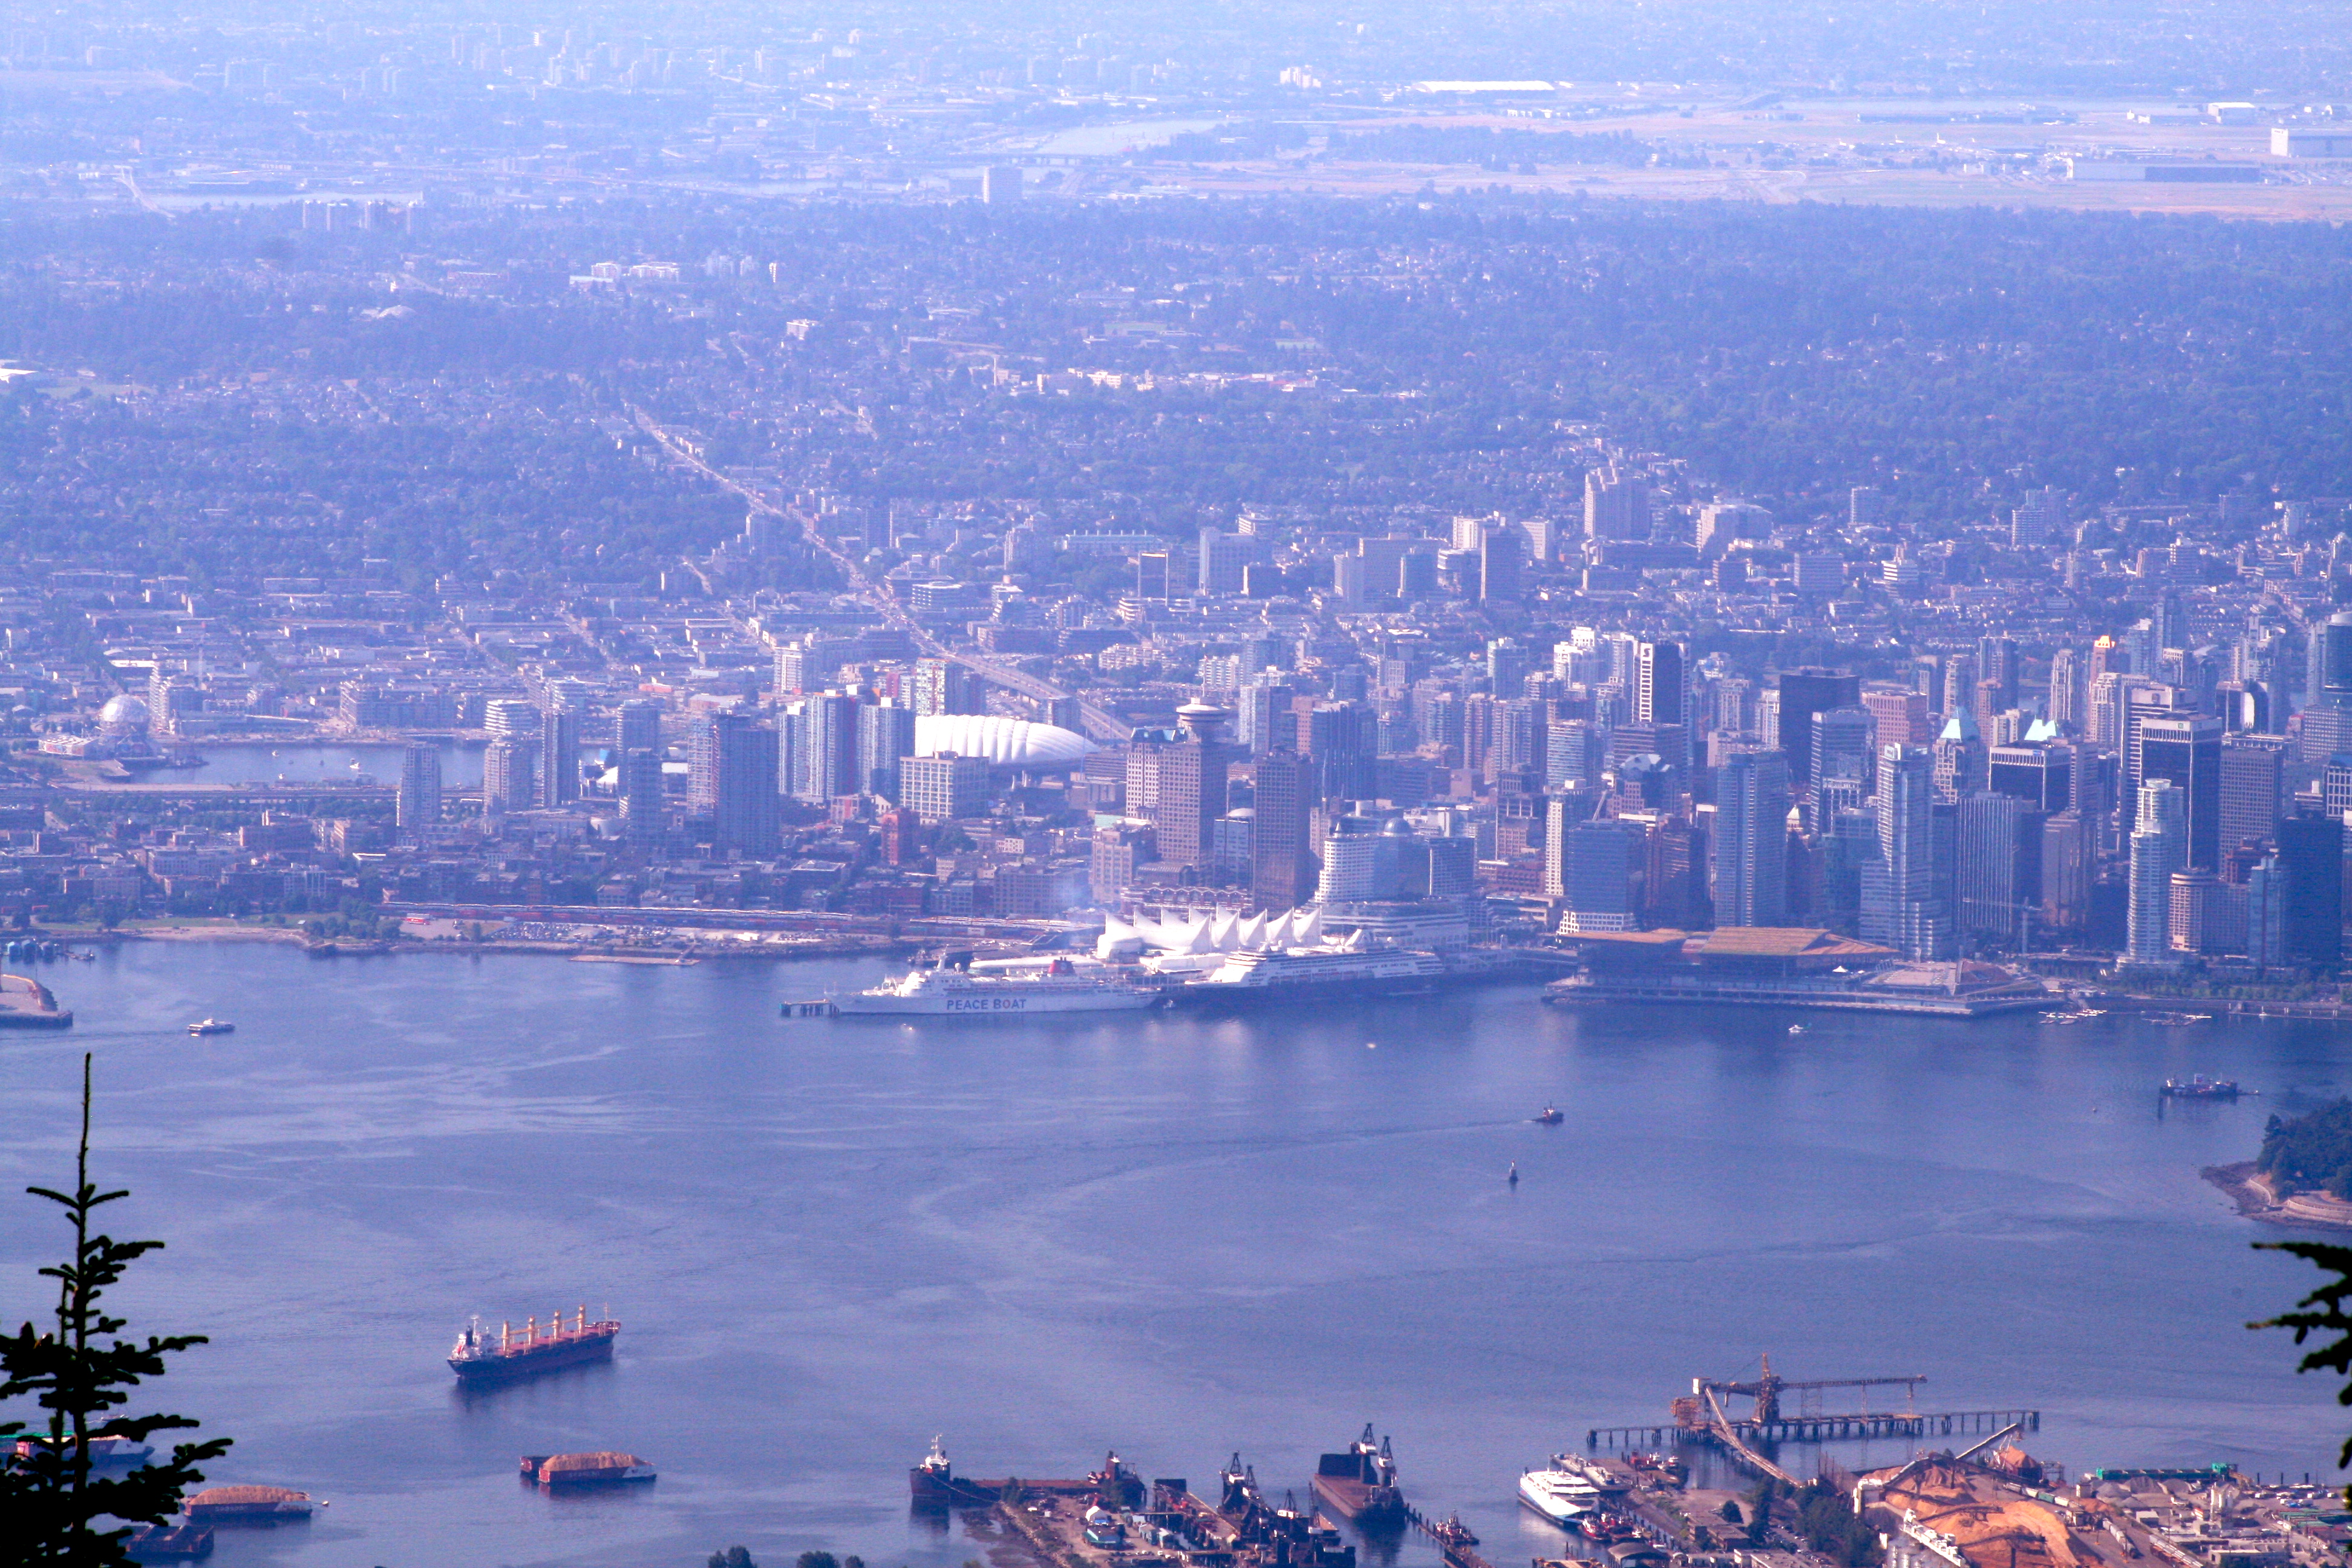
(479, 1359)
(1359, 1485)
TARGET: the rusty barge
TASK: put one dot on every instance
(1360, 1484)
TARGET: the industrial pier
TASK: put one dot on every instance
(1110, 1517)
(1701, 1416)
(1988, 1505)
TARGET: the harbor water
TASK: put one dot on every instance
(291, 763)
(1172, 1235)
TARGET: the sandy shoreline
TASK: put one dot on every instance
(2258, 1200)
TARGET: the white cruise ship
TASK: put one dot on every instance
(1561, 1496)
(1352, 963)
(955, 994)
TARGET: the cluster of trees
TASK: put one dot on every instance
(1786, 351)
(79, 1372)
(1819, 1512)
(740, 1557)
(2312, 1151)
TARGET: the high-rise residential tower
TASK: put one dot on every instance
(418, 802)
(1751, 840)
(559, 755)
(2158, 849)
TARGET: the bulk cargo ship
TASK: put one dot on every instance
(1359, 1485)
(477, 1360)
(934, 1484)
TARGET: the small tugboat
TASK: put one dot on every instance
(2201, 1087)
(212, 1026)
(1550, 1117)
(1452, 1535)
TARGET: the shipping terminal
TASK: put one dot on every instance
(1990, 1504)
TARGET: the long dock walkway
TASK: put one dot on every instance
(1822, 1430)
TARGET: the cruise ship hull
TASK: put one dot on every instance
(991, 1004)
(1254, 981)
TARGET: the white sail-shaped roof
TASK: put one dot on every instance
(1252, 934)
(1116, 934)
(1221, 930)
(1306, 926)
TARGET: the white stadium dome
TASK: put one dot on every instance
(1007, 742)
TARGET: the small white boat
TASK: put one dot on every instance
(1558, 1495)
(1796, 1028)
(212, 1026)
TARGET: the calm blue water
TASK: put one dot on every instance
(263, 763)
(1180, 1238)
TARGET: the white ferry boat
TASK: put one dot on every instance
(1561, 1496)
(953, 992)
